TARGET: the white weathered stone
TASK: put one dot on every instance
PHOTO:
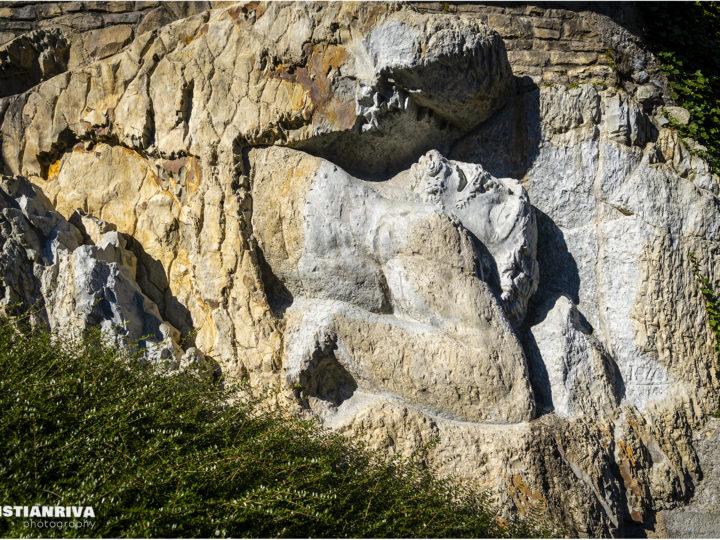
(581, 374)
(527, 306)
(679, 114)
(75, 286)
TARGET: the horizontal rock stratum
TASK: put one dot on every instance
(365, 206)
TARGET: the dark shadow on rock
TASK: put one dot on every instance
(380, 153)
(327, 379)
(31, 58)
(632, 529)
(486, 269)
(507, 144)
(558, 270)
(154, 283)
(539, 379)
(627, 527)
(618, 381)
(558, 277)
(278, 296)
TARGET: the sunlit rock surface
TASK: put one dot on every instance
(390, 217)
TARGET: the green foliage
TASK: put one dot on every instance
(686, 38)
(712, 302)
(169, 455)
(610, 55)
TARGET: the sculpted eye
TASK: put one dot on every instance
(433, 167)
(462, 181)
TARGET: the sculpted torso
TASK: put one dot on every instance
(420, 276)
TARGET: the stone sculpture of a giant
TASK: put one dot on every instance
(395, 279)
(360, 204)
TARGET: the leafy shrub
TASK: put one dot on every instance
(686, 37)
(168, 455)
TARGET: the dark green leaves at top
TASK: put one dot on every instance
(686, 38)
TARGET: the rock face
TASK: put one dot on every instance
(366, 206)
(75, 275)
(394, 280)
(701, 517)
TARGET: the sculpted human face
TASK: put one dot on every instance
(496, 211)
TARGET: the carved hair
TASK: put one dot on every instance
(445, 183)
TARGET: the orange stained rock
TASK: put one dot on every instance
(189, 39)
(502, 522)
(314, 79)
(241, 11)
(625, 448)
(190, 166)
(520, 485)
(53, 170)
(630, 482)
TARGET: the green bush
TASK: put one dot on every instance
(168, 455)
(685, 36)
